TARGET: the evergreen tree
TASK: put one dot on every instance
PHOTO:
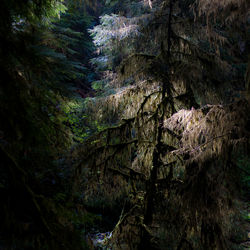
(171, 122)
(183, 65)
(37, 56)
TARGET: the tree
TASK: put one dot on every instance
(173, 137)
(36, 187)
(74, 42)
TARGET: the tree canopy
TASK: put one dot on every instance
(125, 116)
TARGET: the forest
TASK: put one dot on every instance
(124, 124)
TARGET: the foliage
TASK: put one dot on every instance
(179, 148)
(71, 31)
(110, 36)
(149, 142)
(39, 54)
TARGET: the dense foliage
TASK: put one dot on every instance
(164, 63)
(44, 54)
(143, 131)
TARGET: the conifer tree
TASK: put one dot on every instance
(184, 64)
(36, 59)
